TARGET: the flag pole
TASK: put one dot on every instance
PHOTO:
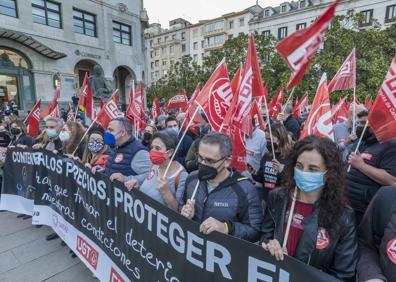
(195, 191)
(288, 99)
(85, 134)
(181, 139)
(285, 239)
(359, 142)
(354, 111)
(269, 128)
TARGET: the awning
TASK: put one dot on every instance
(32, 43)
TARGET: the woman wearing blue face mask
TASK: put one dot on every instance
(321, 229)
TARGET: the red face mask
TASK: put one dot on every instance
(157, 157)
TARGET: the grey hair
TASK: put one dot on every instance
(125, 124)
(59, 122)
(224, 142)
(288, 108)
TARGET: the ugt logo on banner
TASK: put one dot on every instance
(88, 252)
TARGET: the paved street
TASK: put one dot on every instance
(26, 256)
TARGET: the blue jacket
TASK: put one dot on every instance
(121, 157)
(235, 201)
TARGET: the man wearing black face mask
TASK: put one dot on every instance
(224, 201)
(372, 167)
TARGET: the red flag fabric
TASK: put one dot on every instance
(368, 103)
(275, 106)
(340, 111)
(382, 116)
(238, 160)
(85, 102)
(70, 114)
(299, 48)
(180, 101)
(252, 61)
(155, 109)
(216, 96)
(135, 106)
(102, 103)
(33, 120)
(345, 78)
(257, 116)
(110, 111)
(50, 108)
(195, 94)
(319, 121)
(55, 112)
(302, 103)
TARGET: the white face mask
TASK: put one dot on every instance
(64, 136)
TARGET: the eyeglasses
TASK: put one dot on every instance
(208, 161)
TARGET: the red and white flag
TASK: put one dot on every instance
(302, 104)
(102, 103)
(85, 102)
(109, 112)
(135, 109)
(51, 106)
(180, 101)
(299, 48)
(382, 116)
(340, 111)
(275, 106)
(238, 160)
(319, 120)
(252, 62)
(368, 103)
(216, 96)
(55, 112)
(257, 116)
(192, 106)
(345, 78)
(33, 120)
(155, 109)
(195, 94)
(70, 114)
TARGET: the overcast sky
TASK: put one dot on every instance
(163, 11)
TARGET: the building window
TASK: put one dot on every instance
(267, 13)
(151, 43)
(195, 46)
(242, 22)
(173, 36)
(171, 62)
(266, 34)
(172, 49)
(302, 4)
(152, 65)
(156, 52)
(163, 50)
(231, 24)
(166, 38)
(367, 18)
(157, 74)
(301, 26)
(202, 44)
(215, 40)
(214, 26)
(122, 33)
(195, 58)
(284, 9)
(84, 23)
(151, 54)
(183, 36)
(8, 8)
(390, 14)
(282, 32)
(159, 40)
(47, 13)
(157, 63)
(164, 63)
(183, 47)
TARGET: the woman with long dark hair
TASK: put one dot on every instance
(321, 229)
(271, 170)
(96, 151)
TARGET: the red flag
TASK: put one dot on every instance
(275, 106)
(33, 120)
(110, 111)
(302, 103)
(70, 114)
(238, 160)
(192, 106)
(102, 103)
(216, 96)
(319, 121)
(180, 101)
(382, 116)
(155, 110)
(368, 103)
(252, 61)
(85, 102)
(299, 48)
(135, 106)
(50, 108)
(345, 78)
(195, 94)
(257, 116)
(55, 112)
(340, 111)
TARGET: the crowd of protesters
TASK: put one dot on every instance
(296, 198)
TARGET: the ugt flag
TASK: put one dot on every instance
(382, 116)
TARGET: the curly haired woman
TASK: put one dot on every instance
(321, 231)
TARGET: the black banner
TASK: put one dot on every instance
(127, 236)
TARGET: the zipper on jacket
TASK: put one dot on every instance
(309, 259)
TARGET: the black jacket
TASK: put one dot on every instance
(338, 258)
(23, 140)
